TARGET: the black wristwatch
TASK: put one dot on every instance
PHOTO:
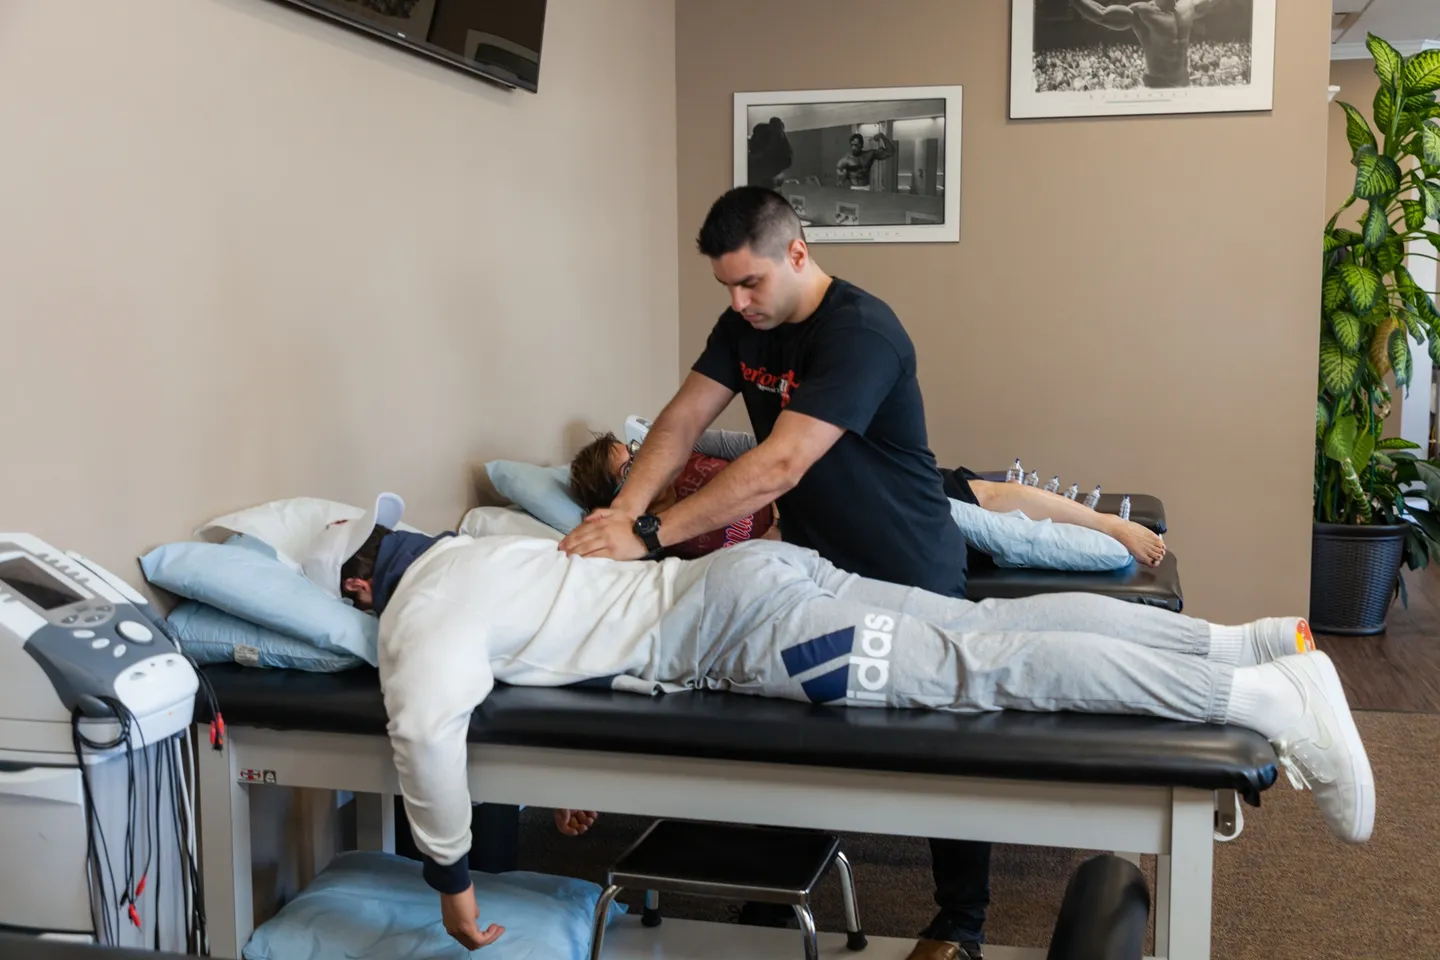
(647, 528)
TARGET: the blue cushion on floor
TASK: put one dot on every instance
(376, 906)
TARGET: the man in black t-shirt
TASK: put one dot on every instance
(828, 377)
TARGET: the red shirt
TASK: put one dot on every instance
(698, 471)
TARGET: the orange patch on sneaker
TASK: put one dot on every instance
(1304, 640)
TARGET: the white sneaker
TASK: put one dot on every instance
(1274, 637)
(1323, 750)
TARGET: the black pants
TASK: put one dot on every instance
(962, 890)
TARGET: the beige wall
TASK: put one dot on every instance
(246, 254)
(1132, 301)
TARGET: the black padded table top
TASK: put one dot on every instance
(1010, 745)
(1156, 586)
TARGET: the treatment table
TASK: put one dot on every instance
(1131, 784)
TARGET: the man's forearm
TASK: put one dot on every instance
(750, 483)
(666, 448)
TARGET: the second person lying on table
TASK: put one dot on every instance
(598, 472)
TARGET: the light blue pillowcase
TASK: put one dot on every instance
(243, 577)
(543, 492)
(371, 904)
(1014, 540)
(210, 635)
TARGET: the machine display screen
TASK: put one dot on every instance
(35, 583)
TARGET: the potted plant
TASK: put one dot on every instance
(1372, 308)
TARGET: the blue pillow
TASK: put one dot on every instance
(376, 905)
(1014, 540)
(209, 635)
(543, 492)
(246, 580)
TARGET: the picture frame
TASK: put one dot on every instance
(1092, 58)
(861, 165)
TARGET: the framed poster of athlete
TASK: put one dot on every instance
(1094, 58)
(878, 165)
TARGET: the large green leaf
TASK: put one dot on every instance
(1388, 60)
(1377, 177)
(1430, 194)
(1362, 286)
(1340, 237)
(1338, 370)
(1384, 108)
(1414, 215)
(1391, 253)
(1341, 438)
(1428, 474)
(1397, 443)
(1332, 294)
(1357, 128)
(1322, 418)
(1430, 142)
(1364, 447)
(1400, 360)
(1422, 72)
(1435, 351)
(1377, 228)
(1348, 330)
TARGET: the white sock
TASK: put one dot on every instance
(1227, 644)
(1264, 699)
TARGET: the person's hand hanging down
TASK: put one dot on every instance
(460, 913)
(461, 916)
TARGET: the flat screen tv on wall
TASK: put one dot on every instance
(498, 40)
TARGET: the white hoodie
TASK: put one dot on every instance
(471, 611)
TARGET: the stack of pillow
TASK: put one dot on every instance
(244, 598)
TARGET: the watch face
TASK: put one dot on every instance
(647, 524)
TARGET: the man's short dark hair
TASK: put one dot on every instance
(591, 482)
(362, 565)
(754, 217)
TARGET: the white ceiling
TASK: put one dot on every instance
(1407, 24)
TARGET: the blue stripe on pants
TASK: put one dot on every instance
(828, 687)
(820, 650)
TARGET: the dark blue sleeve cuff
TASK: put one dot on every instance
(452, 879)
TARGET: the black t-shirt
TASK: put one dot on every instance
(874, 504)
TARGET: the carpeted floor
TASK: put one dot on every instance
(1284, 888)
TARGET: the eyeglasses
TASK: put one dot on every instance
(632, 448)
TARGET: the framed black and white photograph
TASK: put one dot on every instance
(1092, 58)
(875, 165)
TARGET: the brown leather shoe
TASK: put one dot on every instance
(935, 950)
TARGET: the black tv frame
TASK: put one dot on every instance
(490, 74)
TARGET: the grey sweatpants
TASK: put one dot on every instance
(776, 620)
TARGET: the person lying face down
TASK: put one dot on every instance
(767, 618)
(597, 473)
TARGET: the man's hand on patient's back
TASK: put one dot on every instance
(605, 533)
(572, 823)
(461, 916)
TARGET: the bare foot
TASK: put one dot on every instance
(1144, 544)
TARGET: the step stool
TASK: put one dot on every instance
(732, 862)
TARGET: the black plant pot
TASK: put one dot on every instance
(1352, 576)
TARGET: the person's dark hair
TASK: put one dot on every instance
(591, 482)
(362, 565)
(754, 217)
(858, 136)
